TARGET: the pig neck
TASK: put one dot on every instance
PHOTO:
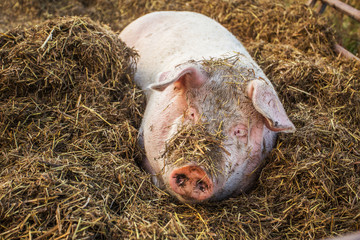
(163, 113)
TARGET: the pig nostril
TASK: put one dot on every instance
(201, 185)
(181, 179)
(190, 183)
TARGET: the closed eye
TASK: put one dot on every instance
(240, 131)
(192, 114)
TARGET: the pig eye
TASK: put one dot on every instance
(240, 132)
(192, 114)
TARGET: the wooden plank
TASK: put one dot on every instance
(311, 3)
(342, 51)
(345, 8)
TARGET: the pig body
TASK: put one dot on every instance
(181, 90)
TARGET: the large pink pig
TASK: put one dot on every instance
(173, 70)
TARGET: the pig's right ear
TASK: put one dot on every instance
(189, 77)
(267, 103)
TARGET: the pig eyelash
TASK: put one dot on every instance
(192, 113)
(240, 133)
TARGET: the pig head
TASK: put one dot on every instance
(217, 89)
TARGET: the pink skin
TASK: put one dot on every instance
(170, 105)
(191, 183)
(169, 44)
(347, 236)
(187, 187)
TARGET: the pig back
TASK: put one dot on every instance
(167, 39)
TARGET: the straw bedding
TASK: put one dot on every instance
(69, 114)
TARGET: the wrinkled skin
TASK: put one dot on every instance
(235, 96)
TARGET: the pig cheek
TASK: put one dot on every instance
(251, 138)
(159, 132)
(237, 147)
(248, 145)
(256, 138)
(245, 157)
(162, 122)
(238, 150)
(255, 145)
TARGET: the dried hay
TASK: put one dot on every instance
(69, 113)
(194, 143)
(67, 167)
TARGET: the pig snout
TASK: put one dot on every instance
(191, 183)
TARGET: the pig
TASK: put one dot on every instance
(182, 87)
(348, 236)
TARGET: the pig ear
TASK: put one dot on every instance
(189, 77)
(266, 102)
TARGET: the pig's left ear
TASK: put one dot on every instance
(266, 102)
(189, 77)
